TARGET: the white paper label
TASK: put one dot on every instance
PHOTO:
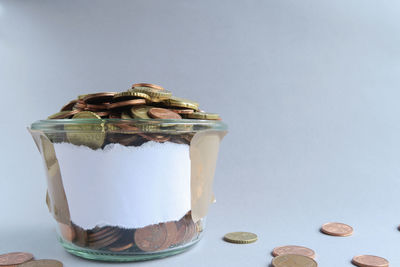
(129, 187)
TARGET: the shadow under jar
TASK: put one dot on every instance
(128, 189)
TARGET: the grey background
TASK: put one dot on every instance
(309, 89)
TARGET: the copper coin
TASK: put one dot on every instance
(296, 250)
(99, 97)
(162, 113)
(190, 230)
(103, 113)
(337, 229)
(80, 104)
(101, 234)
(95, 107)
(42, 263)
(115, 115)
(183, 111)
(121, 248)
(127, 103)
(154, 86)
(101, 243)
(80, 235)
(180, 234)
(151, 238)
(171, 235)
(67, 232)
(15, 258)
(69, 105)
(370, 261)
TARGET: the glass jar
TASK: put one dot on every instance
(128, 189)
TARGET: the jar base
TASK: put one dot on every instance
(98, 255)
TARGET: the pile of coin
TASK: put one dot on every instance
(152, 238)
(144, 102)
(25, 259)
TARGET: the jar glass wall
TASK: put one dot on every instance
(126, 190)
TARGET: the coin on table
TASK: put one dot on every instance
(151, 238)
(337, 229)
(162, 113)
(370, 261)
(291, 260)
(89, 134)
(42, 263)
(296, 250)
(240, 237)
(15, 258)
(155, 86)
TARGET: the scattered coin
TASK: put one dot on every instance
(42, 263)
(370, 261)
(15, 258)
(162, 113)
(240, 237)
(290, 260)
(337, 229)
(296, 250)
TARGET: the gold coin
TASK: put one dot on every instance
(88, 134)
(140, 112)
(131, 94)
(337, 229)
(240, 237)
(203, 116)
(155, 94)
(291, 260)
(179, 102)
(42, 263)
(370, 261)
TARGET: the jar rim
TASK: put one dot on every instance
(131, 125)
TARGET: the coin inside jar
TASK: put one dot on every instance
(151, 238)
(162, 113)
